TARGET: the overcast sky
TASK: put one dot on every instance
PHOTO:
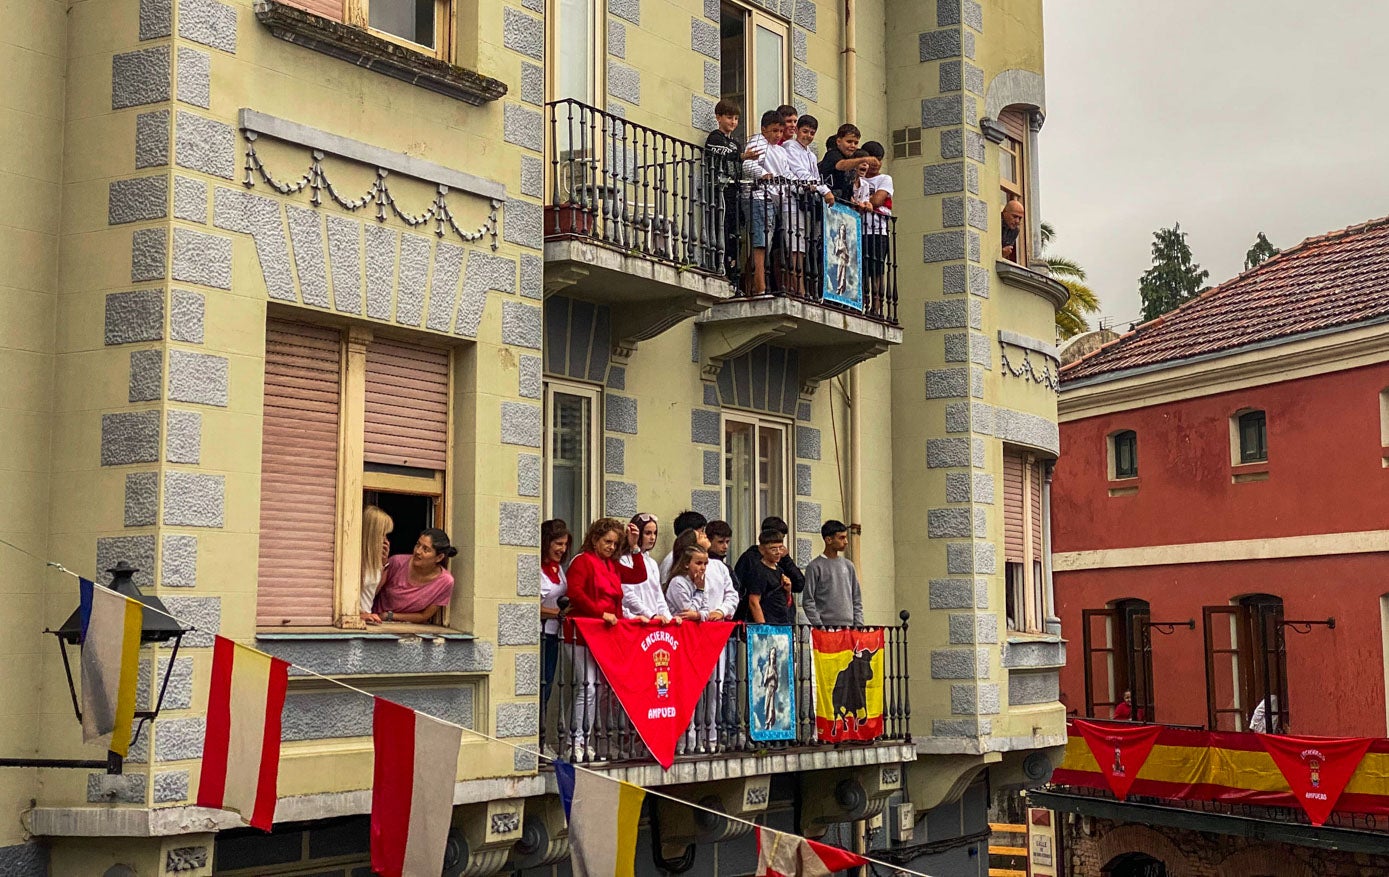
(1230, 116)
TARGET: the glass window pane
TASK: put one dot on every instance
(411, 20)
(770, 65)
(738, 482)
(575, 39)
(771, 472)
(1008, 162)
(570, 459)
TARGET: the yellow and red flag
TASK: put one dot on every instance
(848, 683)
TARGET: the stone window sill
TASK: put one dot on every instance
(1019, 637)
(363, 49)
(396, 630)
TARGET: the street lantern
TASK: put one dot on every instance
(156, 626)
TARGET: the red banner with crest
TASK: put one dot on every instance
(657, 673)
(1119, 751)
(1317, 768)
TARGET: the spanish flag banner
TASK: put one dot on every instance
(1238, 768)
(110, 664)
(848, 683)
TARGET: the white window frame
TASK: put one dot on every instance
(594, 481)
(759, 422)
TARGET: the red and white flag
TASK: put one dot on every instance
(241, 748)
(787, 855)
(412, 794)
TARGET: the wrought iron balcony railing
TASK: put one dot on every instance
(583, 721)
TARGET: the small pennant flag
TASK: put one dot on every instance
(110, 664)
(1317, 768)
(241, 751)
(788, 855)
(1119, 750)
(603, 816)
(412, 793)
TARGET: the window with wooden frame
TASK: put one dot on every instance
(573, 461)
(1024, 546)
(422, 25)
(756, 476)
(755, 62)
(1246, 664)
(1251, 435)
(1012, 172)
(1123, 455)
(1117, 643)
(349, 420)
(1384, 427)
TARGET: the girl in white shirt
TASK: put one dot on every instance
(702, 590)
(644, 602)
(376, 548)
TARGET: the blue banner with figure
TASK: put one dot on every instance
(771, 683)
(843, 283)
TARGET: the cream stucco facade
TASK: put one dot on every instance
(146, 244)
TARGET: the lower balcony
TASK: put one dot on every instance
(813, 278)
(586, 724)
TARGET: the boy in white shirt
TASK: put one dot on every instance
(763, 172)
(873, 195)
(801, 219)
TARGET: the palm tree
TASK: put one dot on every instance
(1070, 317)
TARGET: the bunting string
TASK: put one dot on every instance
(897, 870)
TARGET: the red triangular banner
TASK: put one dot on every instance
(1316, 768)
(1120, 751)
(657, 673)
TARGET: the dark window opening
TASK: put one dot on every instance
(1253, 437)
(906, 142)
(1246, 665)
(1117, 642)
(1126, 454)
(410, 513)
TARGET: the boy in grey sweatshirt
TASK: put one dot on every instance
(832, 597)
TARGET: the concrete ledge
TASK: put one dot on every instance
(737, 765)
(1015, 275)
(163, 822)
(363, 49)
(1034, 653)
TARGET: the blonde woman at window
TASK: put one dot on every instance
(376, 548)
(416, 586)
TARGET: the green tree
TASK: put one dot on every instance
(1260, 253)
(1070, 318)
(1174, 277)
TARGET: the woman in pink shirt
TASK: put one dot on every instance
(416, 586)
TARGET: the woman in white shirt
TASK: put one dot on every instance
(554, 550)
(702, 590)
(376, 548)
(644, 602)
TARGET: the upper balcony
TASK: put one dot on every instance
(726, 739)
(627, 222)
(818, 279)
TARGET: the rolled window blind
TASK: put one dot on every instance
(407, 405)
(1013, 513)
(299, 475)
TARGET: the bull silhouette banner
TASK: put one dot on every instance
(848, 684)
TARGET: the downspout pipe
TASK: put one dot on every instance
(855, 384)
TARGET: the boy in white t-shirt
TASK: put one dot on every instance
(873, 196)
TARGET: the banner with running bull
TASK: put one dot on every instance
(848, 684)
(657, 673)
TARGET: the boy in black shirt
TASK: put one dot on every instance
(838, 167)
(723, 156)
(766, 591)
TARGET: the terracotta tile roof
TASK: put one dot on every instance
(1334, 279)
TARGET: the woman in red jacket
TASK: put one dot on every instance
(595, 591)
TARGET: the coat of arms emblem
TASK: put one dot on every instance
(661, 659)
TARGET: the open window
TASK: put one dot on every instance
(323, 385)
(1012, 174)
(756, 455)
(1118, 650)
(425, 26)
(1246, 663)
(754, 62)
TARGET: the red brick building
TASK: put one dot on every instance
(1221, 508)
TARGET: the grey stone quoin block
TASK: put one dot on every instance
(134, 316)
(129, 437)
(146, 376)
(140, 77)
